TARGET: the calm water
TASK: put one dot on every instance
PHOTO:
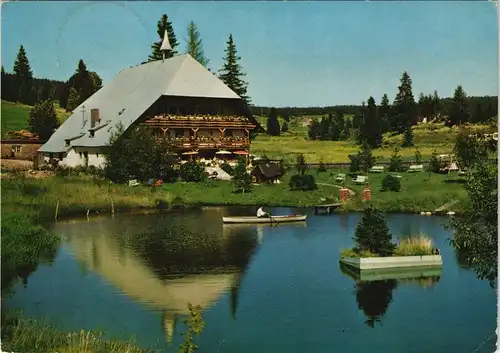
(263, 289)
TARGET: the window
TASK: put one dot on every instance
(182, 110)
(16, 149)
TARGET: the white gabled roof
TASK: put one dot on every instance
(131, 93)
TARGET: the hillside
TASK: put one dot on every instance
(427, 137)
(15, 116)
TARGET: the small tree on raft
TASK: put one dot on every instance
(372, 234)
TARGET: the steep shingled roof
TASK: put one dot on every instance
(131, 93)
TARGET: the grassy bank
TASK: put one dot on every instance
(21, 334)
(77, 194)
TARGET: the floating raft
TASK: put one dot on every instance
(329, 208)
(268, 220)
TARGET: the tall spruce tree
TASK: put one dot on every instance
(22, 66)
(371, 129)
(384, 112)
(372, 234)
(273, 124)
(231, 73)
(459, 109)
(195, 44)
(156, 53)
(404, 107)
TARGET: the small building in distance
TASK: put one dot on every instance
(21, 145)
(177, 99)
(266, 172)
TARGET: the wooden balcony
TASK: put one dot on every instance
(216, 143)
(201, 121)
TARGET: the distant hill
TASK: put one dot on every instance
(486, 102)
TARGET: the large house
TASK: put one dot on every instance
(177, 98)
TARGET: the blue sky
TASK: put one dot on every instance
(294, 53)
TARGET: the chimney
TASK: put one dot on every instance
(165, 46)
(94, 117)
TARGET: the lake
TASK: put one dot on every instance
(262, 289)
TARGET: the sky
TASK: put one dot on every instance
(293, 53)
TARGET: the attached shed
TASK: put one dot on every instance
(266, 172)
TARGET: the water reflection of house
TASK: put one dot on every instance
(103, 252)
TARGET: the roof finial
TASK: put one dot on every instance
(165, 46)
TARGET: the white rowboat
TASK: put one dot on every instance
(268, 220)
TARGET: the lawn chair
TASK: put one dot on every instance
(416, 168)
(133, 182)
(377, 169)
(340, 177)
(361, 179)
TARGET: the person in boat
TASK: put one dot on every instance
(261, 213)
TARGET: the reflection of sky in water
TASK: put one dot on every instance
(276, 289)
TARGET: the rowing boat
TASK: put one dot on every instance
(271, 219)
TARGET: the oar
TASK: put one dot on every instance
(271, 219)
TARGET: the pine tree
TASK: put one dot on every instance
(408, 137)
(365, 158)
(437, 106)
(372, 234)
(164, 24)
(231, 73)
(273, 124)
(82, 82)
(195, 45)
(43, 119)
(242, 180)
(478, 115)
(396, 162)
(284, 128)
(404, 106)
(384, 111)
(22, 65)
(73, 100)
(371, 130)
(459, 110)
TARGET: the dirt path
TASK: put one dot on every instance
(338, 186)
(446, 206)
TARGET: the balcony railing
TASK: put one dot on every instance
(182, 121)
(204, 142)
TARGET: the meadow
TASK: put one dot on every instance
(15, 116)
(427, 138)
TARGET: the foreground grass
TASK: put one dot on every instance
(21, 334)
(15, 116)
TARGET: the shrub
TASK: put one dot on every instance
(304, 182)
(356, 253)
(192, 172)
(414, 246)
(372, 234)
(434, 163)
(355, 163)
(390, 183)
(322, 167)
(300, 164)
(227, 168)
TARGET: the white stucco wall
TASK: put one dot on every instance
(75, 157)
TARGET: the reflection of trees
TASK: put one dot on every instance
(374, 292)
(373, 298)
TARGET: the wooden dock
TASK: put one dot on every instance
(328, 208)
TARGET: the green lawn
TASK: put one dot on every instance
(77, 194)
(15, 116)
